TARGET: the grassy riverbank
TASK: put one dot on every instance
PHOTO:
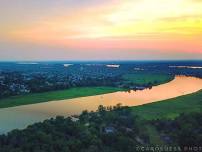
(171, 108)
(139, 79)
(147, 78)
(55, 95)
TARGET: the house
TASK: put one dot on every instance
(109, 130)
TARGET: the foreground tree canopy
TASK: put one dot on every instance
(110, 129)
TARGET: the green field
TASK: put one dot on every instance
(171, 108)
(141, 79)
(55, 95)
(144, 79)
(167, 109)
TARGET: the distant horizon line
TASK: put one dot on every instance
(121, 60)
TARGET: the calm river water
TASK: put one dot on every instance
(21, 116)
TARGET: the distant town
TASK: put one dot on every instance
(18, 78)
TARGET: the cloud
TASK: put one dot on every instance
(104, 25)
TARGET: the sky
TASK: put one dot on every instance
(100, 29)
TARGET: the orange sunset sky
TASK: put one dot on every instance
(100, 29)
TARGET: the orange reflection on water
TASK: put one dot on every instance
(181, 85)
(21, 116)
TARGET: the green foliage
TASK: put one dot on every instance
(185, 130)
(114, 130)
(64, 135)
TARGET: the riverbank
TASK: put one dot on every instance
(170, 108)
(32, 98)
(113, 130)
(114, 122)
(22, 116)
(56, 95)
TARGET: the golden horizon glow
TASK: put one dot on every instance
(165, 25)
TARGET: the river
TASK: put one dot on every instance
(21, 116)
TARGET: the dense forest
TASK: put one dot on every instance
(109, 129)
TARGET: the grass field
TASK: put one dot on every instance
(142, 78)
(171, 108)
(55, 95)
